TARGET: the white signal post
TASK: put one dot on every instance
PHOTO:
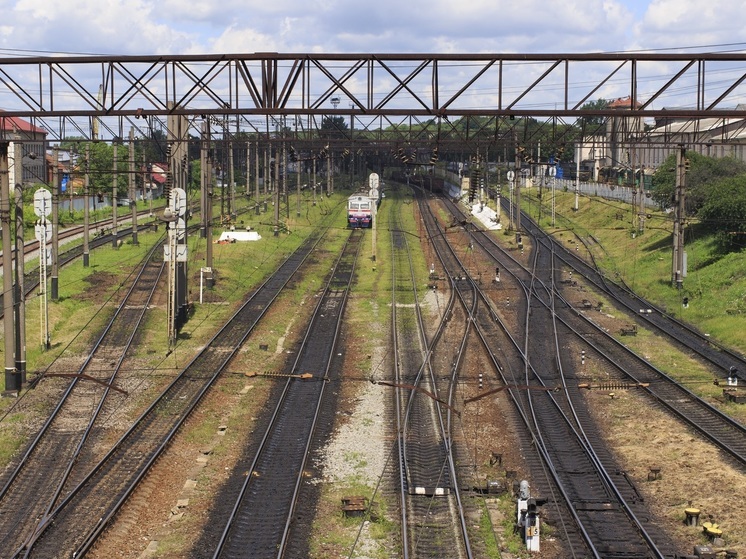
(43, 232)
(553, 175)
(511, 180)
(175, 251)
(373, 184)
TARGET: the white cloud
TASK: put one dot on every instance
(417, 26)
(682, 23)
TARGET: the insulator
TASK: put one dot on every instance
(618, 386)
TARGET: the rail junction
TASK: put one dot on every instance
(595, 509)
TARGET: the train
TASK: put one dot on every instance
(360, 209)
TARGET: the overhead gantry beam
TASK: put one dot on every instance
(61, 94)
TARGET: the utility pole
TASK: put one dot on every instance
(641, 210)
(248, 169)
(518, 179)
(313, 179)
(12, 377)
(206, 199)
(86, 209)
(204, 146)
(132, 191)
(20, 294)
(578, 152)
(276, 195)
(55, 291)
(256, 177)
(115, 179)
(285, 188)
(678, 265)
(297, 185)
(232, 179)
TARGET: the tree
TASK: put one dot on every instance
(703, 172)
(724, 211)
(333, 127)
(593, 122)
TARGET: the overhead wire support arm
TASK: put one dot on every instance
(390, 85)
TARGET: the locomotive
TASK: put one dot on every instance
(360, 209)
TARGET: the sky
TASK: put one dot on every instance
(131, 27)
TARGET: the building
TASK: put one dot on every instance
(27, 142)
(630, 147)
(712, 137)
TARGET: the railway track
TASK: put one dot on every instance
(263, 514)
(720, 357)
(85, 510)
(720, 429)
(433, 516)
(59, 452)
(596, 501)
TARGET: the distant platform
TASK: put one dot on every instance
(238, 236)
(486, 215)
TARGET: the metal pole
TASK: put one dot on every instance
(232, 179)
(20, 287)
(12, 377)
(204, 146)
(147, 184)
(518, 179)
(248, 169)
(170, 218)
(44, 314)
(132, 191)
(329, 174)
(208, 214)
(297, 186)
(679, 216)
(86, 209)
(114, 204)
(256, 177)
(276, 195)
(56, 222)
(553, 200)
(577, 176)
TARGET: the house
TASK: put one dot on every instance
(155, 180)
(27, 142)
(713, 137)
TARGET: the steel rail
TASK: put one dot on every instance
(67, 400)
(234, 332)
(576, 424)
(598, 465)
(676, 330)
(239, 526)
(426, 382)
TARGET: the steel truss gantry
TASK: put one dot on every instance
(65, 95)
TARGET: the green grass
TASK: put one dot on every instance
(88, 296)
(715, 283)
(487, 533)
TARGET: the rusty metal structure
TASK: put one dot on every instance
(406, 93)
